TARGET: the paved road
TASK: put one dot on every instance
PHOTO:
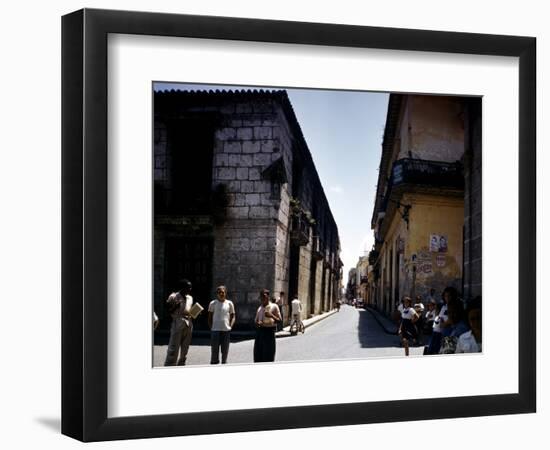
(349, 333)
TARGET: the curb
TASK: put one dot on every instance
(250, 334)
(376, 316)
(307, 323)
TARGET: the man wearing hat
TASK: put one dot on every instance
(179, 305)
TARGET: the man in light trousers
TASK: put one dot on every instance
(179, 305)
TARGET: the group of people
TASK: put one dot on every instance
(450, 325)
(221, 319)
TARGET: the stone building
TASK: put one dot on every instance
(426, 219)
(472, 199)
(238, 202)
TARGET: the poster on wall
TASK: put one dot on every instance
(438, 243)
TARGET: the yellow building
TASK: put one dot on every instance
(418, 216)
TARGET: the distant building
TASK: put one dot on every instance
(362, 277)
(425, 219)
(351, 288)
(238, 201)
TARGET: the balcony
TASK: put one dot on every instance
(317, 249)
(430, 173)
(299, 230)
(424, 175)
(373, 256)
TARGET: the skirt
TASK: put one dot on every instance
(408, 329)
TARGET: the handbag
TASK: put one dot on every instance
(448, 345)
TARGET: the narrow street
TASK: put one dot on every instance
(349, 333)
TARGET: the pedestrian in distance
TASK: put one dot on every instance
(266, 320)
(419, 308)
(434, 344)
(221, 318)
(396, 317)
(429, 317)
(407, 329)
(296, 320)
(179, 306)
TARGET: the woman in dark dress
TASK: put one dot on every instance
(407, 329)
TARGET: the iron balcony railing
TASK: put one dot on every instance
(317, 248)
(435, 174)
(373, 256)
(299, 230)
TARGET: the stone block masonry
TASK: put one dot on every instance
(256, 144)
(250, 231)
(244, 262)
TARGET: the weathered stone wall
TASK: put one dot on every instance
(328, 289)
(246, 257)
(318, 287)
(161, 154)
(251, 233)
(158, 273)
(472, 201)
(305, 187)
(283, 250)
(304, 278)
(244, 261)
(161, 179)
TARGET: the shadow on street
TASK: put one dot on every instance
(371, 333)
(201, 338)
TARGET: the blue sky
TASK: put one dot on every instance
(343, 130)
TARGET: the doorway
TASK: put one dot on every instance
(191, 258)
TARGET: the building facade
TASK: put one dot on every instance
(421, 206)
(362, 277)
(238, 202)
(351, 287)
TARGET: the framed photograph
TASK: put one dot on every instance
(272, 225)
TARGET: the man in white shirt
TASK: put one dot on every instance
(221, 318)
(179, 305)
(296, 311)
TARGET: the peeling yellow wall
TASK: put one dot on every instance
(416, 269)
(433, 215)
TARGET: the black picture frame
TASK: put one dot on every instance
(84, 224)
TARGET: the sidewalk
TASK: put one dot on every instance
(307, 323)
(389, 326)
(248, 334)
